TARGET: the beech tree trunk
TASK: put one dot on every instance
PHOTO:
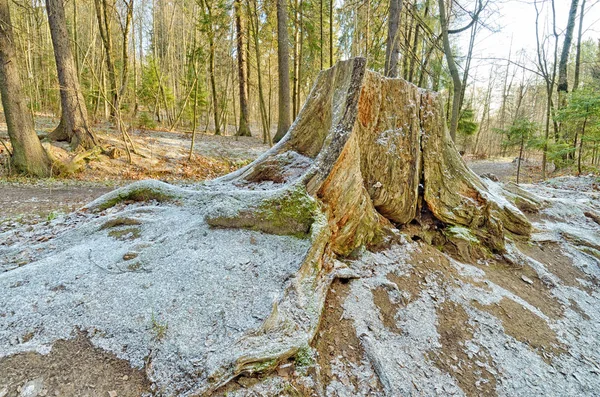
(283, 65)
(74, 126)
(28, 156)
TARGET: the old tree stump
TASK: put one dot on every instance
(199, 285)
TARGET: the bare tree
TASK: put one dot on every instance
(457, 83)
(28, 156)
(578, 54)
(563, 84)
(283, 57)
(74, 126)
(392, 46)
(105, 29)
(244, 129)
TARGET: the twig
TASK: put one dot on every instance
(6, 147)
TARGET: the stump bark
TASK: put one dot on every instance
(375, 153)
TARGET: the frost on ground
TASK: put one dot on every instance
(158, 287)
(413, 320)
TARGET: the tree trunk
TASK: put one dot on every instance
(28, 156)
(581, 147)
(104, 27)
(578, 54)
(392, 48)
(283, 57)
(456, 83)
(74, 125)
(563, 84)
(244, 129)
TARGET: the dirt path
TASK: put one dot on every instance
(505, 169)
(34, 203)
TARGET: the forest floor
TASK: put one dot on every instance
(456, 328)
(163, 155)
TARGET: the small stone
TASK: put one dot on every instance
(527, 280)
(125, 377)
(112, 393)
(32, 388)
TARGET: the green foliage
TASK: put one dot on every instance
(521, 133)
(466, 123)
(146, 121)
(150, 90)
(582, 104)
(52, 216)
(305, 357)
(159, 329)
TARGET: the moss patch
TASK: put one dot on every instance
(129, 233)
(135, 195)
(290, 213)
(119, 222)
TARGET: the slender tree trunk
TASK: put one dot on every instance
(244, 129)
(211, 69)
(392, 47)
(578, 56)
(456, 83)
(296, 65)
(520, 156)
(263, 110)
(563, 84)
(74, 125)
(581, 147)
(321, 33)
(283, 56)
(125, 49)
(105, 30)
(330, 33)
(28, 155)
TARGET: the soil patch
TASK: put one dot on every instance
(552, 256)
(525, 326)
(471, 372)
(536, 294)
(73, 368)
(337, 337)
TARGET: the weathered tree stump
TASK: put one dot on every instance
(366, 157)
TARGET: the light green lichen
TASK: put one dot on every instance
(462, 233)
(305, 357)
